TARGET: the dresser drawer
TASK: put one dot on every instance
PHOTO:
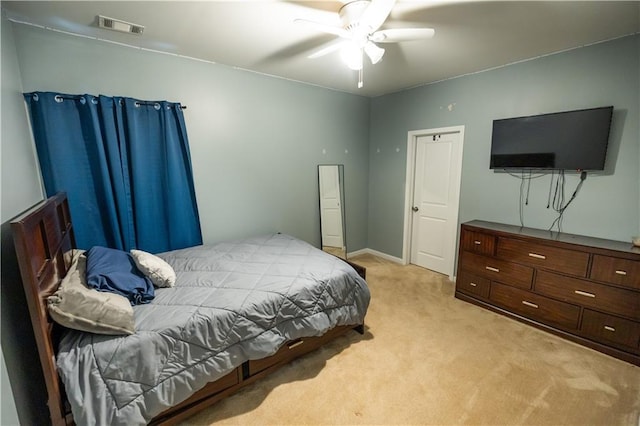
(286, 353)
(473, 284)
(498, 270)
(585, 293)
(478, 242)
(209, 389)
(294, 349)
(536, 307)
(607, 328)
(567, 261)
(616, 271)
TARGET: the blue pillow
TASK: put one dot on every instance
(115, 271)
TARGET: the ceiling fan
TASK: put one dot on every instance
(360, 32)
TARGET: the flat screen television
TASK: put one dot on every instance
(568, 140)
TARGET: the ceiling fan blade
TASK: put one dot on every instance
(374, 52)
(401, 34)
(328, 48)
(340, 32)
(376, 13)
(318, 5)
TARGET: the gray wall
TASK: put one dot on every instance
(603, 74)
(255, 140)
(20, 188)
(20, 176)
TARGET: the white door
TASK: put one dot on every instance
(434, 210)
(330, 207)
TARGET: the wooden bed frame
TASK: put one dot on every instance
(42, 235)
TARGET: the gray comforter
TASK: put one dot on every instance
(232, 302)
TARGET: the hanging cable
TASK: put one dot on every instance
(558, 203)
(528, 188)
(556, 193)
(553, 172)
(520, 207)
(561, 207)
(524, 199)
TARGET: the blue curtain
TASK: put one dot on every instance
(125, 165)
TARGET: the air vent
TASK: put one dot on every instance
(118, 25)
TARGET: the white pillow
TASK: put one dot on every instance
(74, 305)
(159, 272)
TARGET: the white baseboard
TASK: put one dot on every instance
(394, 259)
(376, 253)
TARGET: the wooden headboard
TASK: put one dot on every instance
(42, 235)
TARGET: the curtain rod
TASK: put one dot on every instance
(76, 97)
(153, 103)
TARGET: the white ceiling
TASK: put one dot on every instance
(260, 35)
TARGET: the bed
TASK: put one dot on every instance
(238, 311)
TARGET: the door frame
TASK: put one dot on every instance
(412, 140)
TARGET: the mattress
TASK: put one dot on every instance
(232, 302)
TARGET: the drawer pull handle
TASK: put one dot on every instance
(473, 284)
(606, 327)
(491, 268)
(619, 272)
(537, 256)
(476, 242)
(584, 293)
(294, 344)
(529, 304)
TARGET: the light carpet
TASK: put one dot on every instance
(428, 358)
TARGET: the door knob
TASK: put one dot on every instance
(414, 208)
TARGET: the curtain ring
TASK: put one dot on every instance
(36, 97)
(58, 98)
(156, 106)
(94, 100)
(137, 104)
(83, 100)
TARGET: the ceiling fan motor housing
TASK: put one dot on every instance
(361, 20)
(351, 13)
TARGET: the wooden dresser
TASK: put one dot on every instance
(581, 288)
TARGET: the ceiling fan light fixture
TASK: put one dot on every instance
(351, 55)
(375, 53)
(360, 32)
